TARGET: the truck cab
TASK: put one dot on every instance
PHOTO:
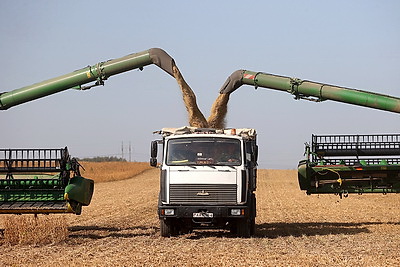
(207, 180)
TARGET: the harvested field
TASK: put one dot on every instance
(112, 171)
(120, 228)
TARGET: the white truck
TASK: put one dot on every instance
(208, 180)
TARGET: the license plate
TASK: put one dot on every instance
(203, 215)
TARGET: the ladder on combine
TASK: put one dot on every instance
(343, 164)
(42, 181)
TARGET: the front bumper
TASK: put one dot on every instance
(188, 212)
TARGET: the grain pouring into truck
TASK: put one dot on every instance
(196, 118)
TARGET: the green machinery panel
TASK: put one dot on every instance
(42, 181)
(345, 164)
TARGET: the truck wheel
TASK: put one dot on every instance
(243, 228)
(252, 226)
(253, 215)
(233, 228)
(166, 229)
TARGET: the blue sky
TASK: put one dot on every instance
(348, 43)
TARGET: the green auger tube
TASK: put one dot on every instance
(314, 91)
(97, 73)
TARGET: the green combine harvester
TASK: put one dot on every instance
(345, 164)
(337, 164)
(42, 181)
(48, 180)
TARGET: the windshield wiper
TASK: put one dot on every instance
(226, 165)
(212, 167)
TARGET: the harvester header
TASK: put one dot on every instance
(345, 164)
(42, 181)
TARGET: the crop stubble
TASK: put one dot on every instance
(120, 227)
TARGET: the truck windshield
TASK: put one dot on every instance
(204, 151)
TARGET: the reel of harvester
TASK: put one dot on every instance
(42, 181)
(344, 164)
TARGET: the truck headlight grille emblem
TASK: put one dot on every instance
(203, 193)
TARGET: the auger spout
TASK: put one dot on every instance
(303, 89)
(78, 79)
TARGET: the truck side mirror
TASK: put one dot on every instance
(255, 152)
(153, 153)
(251, 158)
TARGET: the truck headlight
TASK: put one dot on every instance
(168, 212)
(236, 212)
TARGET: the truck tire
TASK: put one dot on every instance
(243, 228)
(253, 215)
(252, 226)
(233, 228)
(166, 228)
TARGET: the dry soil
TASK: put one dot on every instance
(120, 228)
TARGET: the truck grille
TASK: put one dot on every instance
(202, 193)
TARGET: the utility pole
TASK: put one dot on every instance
(122, 149)
(130, 152)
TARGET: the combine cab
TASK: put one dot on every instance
(343, 164)
(42, 181)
